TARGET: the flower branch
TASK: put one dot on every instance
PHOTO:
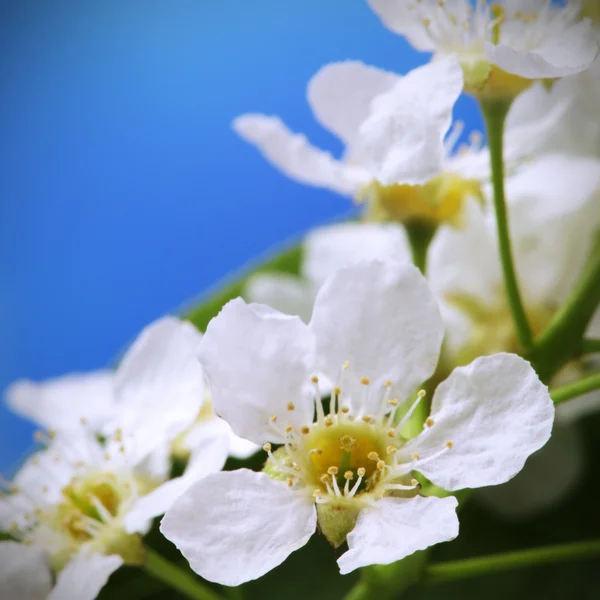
(575, 389)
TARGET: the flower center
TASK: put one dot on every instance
(437, 201)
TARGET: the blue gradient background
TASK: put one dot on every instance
(123, 190)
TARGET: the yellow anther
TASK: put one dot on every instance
(51, 433)
(348, 475)
(391, 449)
(267, 447)
(391, 433)
(289, 429)
(304, 429)
(365, 380)
(373, 455)
(393, 402)
(388, 383)
(429, 422)
(368, 418)
(317, 493)
(449, 444)
(122, 449)
(290, 406)
(421, 393)
(273, 418)
(337, 391)
(296, 467)
(328, 421)
(314, 379)
(361, 471)
(290, 482)
(345, 365)
(426, 22)
(414, 482)
(345, 410)
(415, 456)
(324, 478)
(381, 465)
(333, 470)
(317, 451)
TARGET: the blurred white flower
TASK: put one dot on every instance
(324, 251)
(159, 370)
(502, 45)
(376, 332)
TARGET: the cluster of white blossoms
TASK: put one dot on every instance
(374, 389)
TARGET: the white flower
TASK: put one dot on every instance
(324, 251)
(551, 242)
(375, 331)
(159, 369)
(82, 502)
(503, 45)
(393, 129)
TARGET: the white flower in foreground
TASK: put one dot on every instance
(502, 45)
(550, 254)
(160, 369)
(324, 251)
(83, 502)
(393, 128)
(375, 331)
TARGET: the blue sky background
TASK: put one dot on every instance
(123, 190)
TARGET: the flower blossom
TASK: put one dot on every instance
(502, 46)
(400, 153)
(76, 510)
(376, 332)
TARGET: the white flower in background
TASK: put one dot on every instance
(82, 501)
(393, 129)
(160, 369)
(376, 332)
(324, 251)
(503, 45)
(550, 253)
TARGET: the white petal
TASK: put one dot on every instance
(210, 447)
(340, 95)
(236, 526)
(496, 412)
(296, 158)
(241, 448)
(547, 478)
(402, 141)
(84, 577)
(571, 52)
(161, 371)
(286, 293)
(327, 249)
(398, 16)
(466, 261)
(24, 572)
(382, 318)
(62, 402)
(257, 363)
(396, 527)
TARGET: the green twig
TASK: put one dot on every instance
(177, 579)
(575, 389)
(495, 115)
(590, 346)
(487, 565)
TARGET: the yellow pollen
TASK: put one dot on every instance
(122, 449)
(118, 436)
(348, 475)
(388, 383)
(393, 402)
(429, 422)
(373, 456)
(414, 482)
(305, 430)
(365, 380)
(427, 22)
(368, 419)
(361, 471)
(381, 465)
(267, 447)
(324, 478)
(391, 433)
(328, 421)
(347, 442)
(345, 365)
(345, 410)
(314, 379)
(421, 393)
(337, 391)
(289, 429)
(317, 493)
(273, 418)
(333, 470)
(290, 406)
(449, 444)
(290, 482)
(391, 449)
(415, 456)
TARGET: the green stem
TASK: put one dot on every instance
(182, 581)
(420, 235)
(487, 565)
(575, 389)
(562, 339)
(495, 116)
(590, 346)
